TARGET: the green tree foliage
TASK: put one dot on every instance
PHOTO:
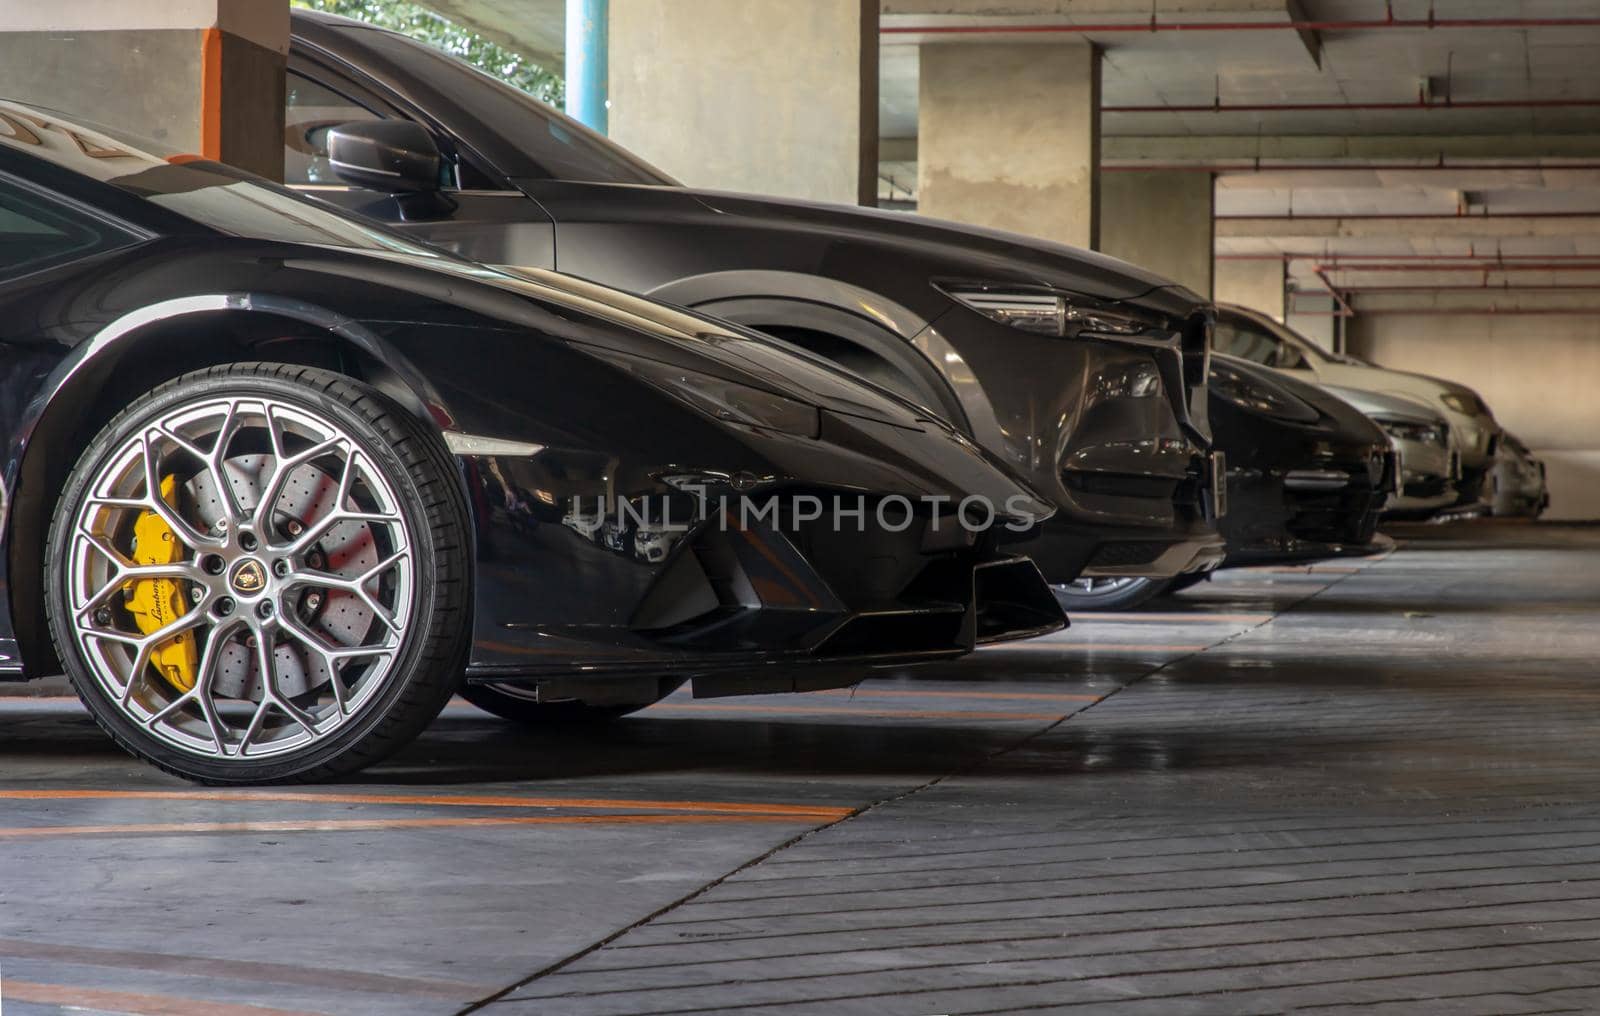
(426, 26)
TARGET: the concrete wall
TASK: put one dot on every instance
(1315, 320)
(1162, 222)
(768, 96)
(1540, 375)
(1254, 284)
(1009, 137)
(201, 76)
(89, 74)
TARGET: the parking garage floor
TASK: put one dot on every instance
(1332, 790)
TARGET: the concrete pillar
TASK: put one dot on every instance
(1315, 316)
(769, 96)
(1161, 221)
(1258, 285)
(1008, 136)
(200, 76)
(588, 79)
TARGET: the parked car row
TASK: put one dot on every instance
(493, 407)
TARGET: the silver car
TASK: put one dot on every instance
(1428, 460)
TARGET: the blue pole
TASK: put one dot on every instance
(587, 45)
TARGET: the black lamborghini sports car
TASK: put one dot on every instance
(276, 477)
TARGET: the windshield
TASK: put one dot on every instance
(214, 195)
(1294, 338)
(560, 147)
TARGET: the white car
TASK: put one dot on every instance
(1255, 336)
(1427, 460)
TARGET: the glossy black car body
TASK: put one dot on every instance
(1308, 477)
(1308, 474)
(1110, 428)
(548, 390)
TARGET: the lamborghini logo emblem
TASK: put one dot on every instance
(249, 577)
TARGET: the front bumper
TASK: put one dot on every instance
(1328, 509)
(1065, 549)
(781, 605)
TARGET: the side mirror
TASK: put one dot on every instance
(389, 156)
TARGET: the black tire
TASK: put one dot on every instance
(423, 651)
(1126, 594)
(518, 706)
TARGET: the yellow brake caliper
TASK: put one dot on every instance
(156, 603)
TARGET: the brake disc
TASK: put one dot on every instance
(346, 548)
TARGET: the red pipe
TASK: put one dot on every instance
(1318, 107)
(1482, 287)
(1257, 166)
(1314, 216)
(1502, 311)
(1333, 260)
(1154, 25)
(1322, 277)
(1481, 266)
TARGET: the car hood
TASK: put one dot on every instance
(1388, 406)
(1414, 388)
(1338, 415)
(648, 329)
(991, 254)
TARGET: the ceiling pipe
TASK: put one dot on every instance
(1360, 216)
(1481, 287)
(1346, 107)
(1258, 166)
(1343, 305)
(1337, 260)
(1458, 266)
(1156, 25)
(1475, 311)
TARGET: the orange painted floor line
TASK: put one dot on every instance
(131, 1003)
(915, 714)
(239, 970)
(341, 825)
(1173, 618)
(1030, 696)
(1311, 570)
(425, 800)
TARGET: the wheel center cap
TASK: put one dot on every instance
(248, 577)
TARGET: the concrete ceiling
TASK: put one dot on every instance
(1450, 166)
(535, 28)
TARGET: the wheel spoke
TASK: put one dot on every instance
(154, 502)
(204, 681)
(256, 720)
(267, 664)
(280, 475)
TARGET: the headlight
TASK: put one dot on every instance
(1407, 430)
(1047, 312)
(725, 400)
(1246, 393)
(1460, 403)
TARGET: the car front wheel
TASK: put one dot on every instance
(1093, 594)
(258, 573)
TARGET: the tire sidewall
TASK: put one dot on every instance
(414, 644)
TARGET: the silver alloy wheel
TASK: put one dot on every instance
(286, 562)
(1098, 586)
